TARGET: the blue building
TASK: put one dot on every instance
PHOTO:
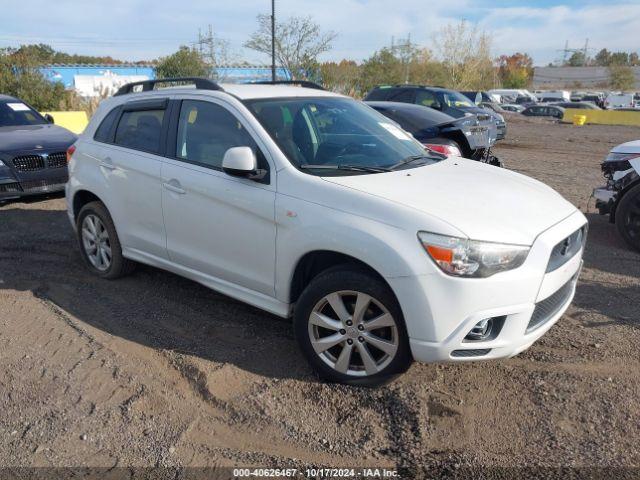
(90, 79)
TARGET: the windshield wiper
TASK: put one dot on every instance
(353, 168)
(411, 159)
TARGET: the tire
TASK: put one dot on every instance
(112, 264)
(628, 217)
(315, 320)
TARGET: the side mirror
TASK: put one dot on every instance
(49, 118)
(242, 162)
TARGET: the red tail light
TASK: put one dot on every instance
(444, 149)
(70, 151)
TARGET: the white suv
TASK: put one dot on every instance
(310, 204)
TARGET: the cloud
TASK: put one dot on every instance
(145, 29)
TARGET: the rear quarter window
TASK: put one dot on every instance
(140, 130)
(104, 132)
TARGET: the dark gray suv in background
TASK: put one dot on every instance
(33, 151)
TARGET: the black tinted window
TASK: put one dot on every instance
(140, 130)
(378, 94)
(104, 130)
(206, 131)
(14, 112)
(404, 96)
(427, 99)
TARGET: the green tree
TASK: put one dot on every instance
(621, 77)
(577, 59)
(184, 63)
(21, 77)
(298, 43)
(603, 58)
(619, 58)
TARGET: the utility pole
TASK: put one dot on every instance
(273, 40)
(403, 49)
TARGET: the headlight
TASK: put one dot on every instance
(2, 163)
(462, 257)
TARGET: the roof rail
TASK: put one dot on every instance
(147, 85)
(302, 83)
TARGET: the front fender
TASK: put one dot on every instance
(302, 228)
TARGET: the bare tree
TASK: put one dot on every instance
(466, 55)
(299, 41)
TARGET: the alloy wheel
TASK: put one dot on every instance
(353, 333)
(96, 243)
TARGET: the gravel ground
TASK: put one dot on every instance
(155, 370)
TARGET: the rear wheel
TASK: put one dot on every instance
(628, 217)
(350, 328)
(99, 242)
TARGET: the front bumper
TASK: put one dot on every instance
(605, 199)
(440, 310)
(39, 174)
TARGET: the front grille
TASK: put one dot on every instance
(36, 186)
(566, 249)
(478, 352)
(28, 163)
(57, 160)
(33, 163)
(547, 308)
(9, 187)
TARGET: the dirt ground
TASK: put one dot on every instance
(155, 370)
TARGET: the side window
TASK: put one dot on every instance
(426, 98)
(402, 95)
(140, 130)
(104, 129)
(206, 131)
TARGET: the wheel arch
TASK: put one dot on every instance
(315, 262)
(81, 198)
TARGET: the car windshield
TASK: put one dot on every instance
(456, 99)
(15, 113)
(337, 136)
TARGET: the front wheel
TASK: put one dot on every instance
(350, 328)
(628, 217)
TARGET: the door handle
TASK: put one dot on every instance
(174, 186)
(108, 164)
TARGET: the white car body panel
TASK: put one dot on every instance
(429, 189)
(245, 239)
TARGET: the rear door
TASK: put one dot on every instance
(218, 225)
(130, 159)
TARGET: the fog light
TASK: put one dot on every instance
(486, 329)
(481, 330)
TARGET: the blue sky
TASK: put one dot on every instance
(143, 29)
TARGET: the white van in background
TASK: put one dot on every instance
(616, 100)
(561, 95)
(513, 93)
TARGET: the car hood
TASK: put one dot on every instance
(482, 201)
(629, 147)
(35, 137)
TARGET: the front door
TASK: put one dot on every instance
(216, 224)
